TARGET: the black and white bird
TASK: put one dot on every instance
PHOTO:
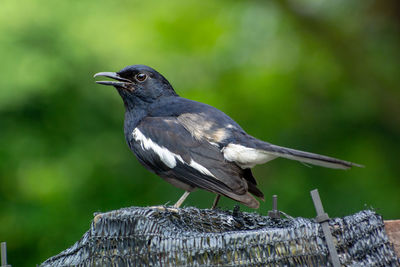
(193, 145)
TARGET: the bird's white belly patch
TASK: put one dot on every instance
(246, 157)
(167, 157)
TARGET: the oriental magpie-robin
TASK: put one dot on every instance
(193, 145)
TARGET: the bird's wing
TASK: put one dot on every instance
(209, 124)
(164, 146)
(202, 121)
(246, 151)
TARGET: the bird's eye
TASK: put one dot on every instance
(141, 77)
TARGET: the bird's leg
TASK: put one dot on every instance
(216, 200)
(180, 201)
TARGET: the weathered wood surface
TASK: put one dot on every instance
(393, 231)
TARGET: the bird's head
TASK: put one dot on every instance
(138, 84)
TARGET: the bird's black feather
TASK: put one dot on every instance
(228, 178)
(194, 145)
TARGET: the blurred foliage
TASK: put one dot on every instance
(321, 76)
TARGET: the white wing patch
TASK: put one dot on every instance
(246, 157)
(167, 157)
(200, 168)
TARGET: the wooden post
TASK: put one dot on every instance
(392, 228)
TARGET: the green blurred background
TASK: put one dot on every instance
(321, 76)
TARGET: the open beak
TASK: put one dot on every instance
(124, 83)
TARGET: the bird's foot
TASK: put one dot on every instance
(175, 207)
(165, 208)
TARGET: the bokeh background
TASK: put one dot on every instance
(321, 76)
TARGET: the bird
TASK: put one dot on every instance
(192, 145)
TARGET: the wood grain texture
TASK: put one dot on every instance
(393, 231)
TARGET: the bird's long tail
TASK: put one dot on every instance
(305, 157)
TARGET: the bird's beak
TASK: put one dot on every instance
(124, 83)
